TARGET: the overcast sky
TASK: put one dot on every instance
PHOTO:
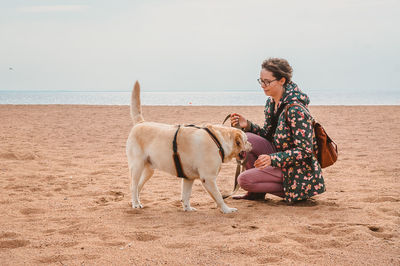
(197, 45)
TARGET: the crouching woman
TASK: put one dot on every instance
(281, 161)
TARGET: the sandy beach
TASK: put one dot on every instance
(65, 199)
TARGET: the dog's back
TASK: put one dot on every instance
(152, 142)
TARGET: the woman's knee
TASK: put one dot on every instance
(259, 144)
(248, 181)
(252, 138)
(244, 180)
(255, 142)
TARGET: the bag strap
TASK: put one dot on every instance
(313, 121)
(301, 106)
(305, 109)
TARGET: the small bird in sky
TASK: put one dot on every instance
(10, 68)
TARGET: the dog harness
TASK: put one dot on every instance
(177, 160)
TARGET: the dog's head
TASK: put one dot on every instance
(233, 140)
(240, 144)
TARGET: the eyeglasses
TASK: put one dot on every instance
(266, 82)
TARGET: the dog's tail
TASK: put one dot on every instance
(136, 108)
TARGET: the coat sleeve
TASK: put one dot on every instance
(301, 129)
(256, 129)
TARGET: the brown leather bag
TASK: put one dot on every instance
(327, 153)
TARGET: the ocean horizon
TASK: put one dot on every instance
(184, 98)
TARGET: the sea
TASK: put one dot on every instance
(185, 98)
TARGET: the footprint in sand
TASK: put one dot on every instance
(271, 239)
(141, 236)
(69, 244)
(117, 195)
(381, 199)
(59, 259)
(112, 243)
(253, 227)
(22, 156)
(178, 245)
(145, 237)
(375, 228)
(268, 260)
(377, 231)
(320, 228)
(29, 211)
(102, 201)
(11, 243)
(8, 235)
(244, 251)
(53, 259)
(113, 196)
(15, 243)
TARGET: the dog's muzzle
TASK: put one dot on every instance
(242, 155)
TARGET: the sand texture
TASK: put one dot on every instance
(65, 199)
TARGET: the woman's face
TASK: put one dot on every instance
(271, 86)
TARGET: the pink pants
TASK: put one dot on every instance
(267, 180)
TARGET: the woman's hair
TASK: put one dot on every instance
(279, 67)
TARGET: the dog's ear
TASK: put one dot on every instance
(238, 140)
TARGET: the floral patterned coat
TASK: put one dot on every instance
(294, 141)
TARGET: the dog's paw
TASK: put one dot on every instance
(228, 210)
(137, 205)
(189, 209)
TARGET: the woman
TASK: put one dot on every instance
(281, 161)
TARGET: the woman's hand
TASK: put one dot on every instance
(263, 161)
(237, 119)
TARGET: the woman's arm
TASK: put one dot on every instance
(300, 124)
(256, 129)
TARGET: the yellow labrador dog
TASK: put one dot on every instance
(149, 147)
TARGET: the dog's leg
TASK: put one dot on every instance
(136, 172)
(146, 174)
(186, 192)
(211, 186)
